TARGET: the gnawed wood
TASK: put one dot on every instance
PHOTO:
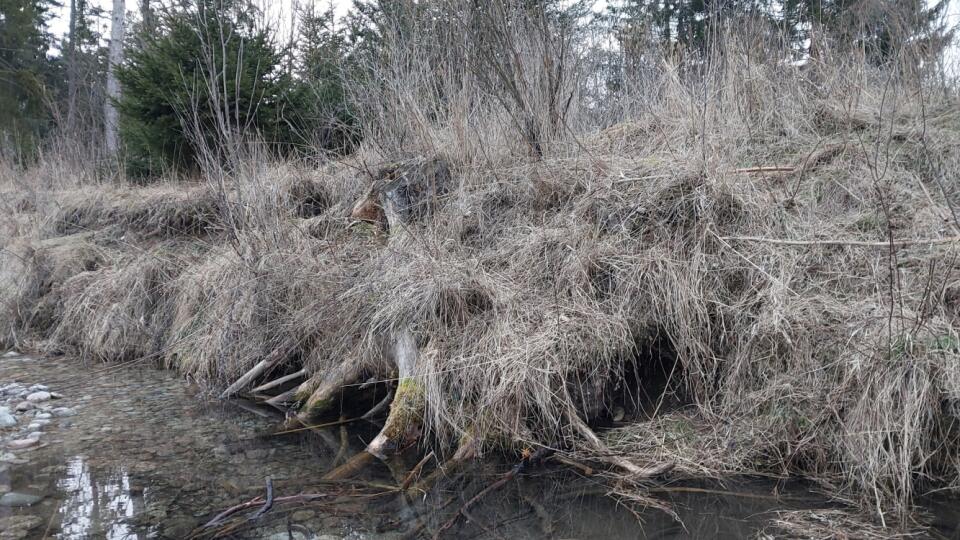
(353, 466)
(406, 411)
(279, 382)
(262, 366)
(287, 397)
(325, 396)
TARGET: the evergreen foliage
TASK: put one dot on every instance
(24, 74)
(208, 74)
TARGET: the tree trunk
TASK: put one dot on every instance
(72, 69)
(113, 85)
(147, 20)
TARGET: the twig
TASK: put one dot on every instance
(268, 504)
(317, 426)
(836, 242)
(506, 477)
(378, 407)
(415, 471)
(300, 497)
(767, 169)
(344, 443)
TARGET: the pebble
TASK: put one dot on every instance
(20, 444)
(36, 397)
(43, 415)
(6, 419)
(18, 527)
(38, 387)
(35, 435)
(19, 499)
(60, 412)
(24, 406)
(296, 535)
(303, 515)
(11, 354)
(34, 426)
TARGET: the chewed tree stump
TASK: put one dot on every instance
(401, 195)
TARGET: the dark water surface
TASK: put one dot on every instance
(144, 455)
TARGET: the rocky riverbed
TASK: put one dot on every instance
(132, 452)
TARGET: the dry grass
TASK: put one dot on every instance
(534, 281)
(157, 211)
(833, 524)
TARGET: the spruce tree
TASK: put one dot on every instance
(25, 72)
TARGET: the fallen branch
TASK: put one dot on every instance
(384, 403)
(415, 471)
(286, 397)
(835, 242)
(277, 382)
(351, 467)
(301, 497)
(268, 504)
(271, 360)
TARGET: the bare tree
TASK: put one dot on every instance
(113, 85)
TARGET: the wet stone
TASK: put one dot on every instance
(6, 419)
(18, 527)
(303, 515)
(37, 397)
(63, 411)
(24, 406)
(20, 444)
(19, 499)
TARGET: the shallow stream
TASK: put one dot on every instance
(133, 452)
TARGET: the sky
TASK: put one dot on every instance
(280, 10)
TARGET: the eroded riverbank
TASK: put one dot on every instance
(133, 452)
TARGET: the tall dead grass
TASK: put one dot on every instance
(787, 231)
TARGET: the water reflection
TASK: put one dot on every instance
(144, 457)
(97, 507)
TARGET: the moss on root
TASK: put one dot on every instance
(404, 421)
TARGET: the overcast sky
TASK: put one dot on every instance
(279, 11)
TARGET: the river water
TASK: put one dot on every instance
(134, 452)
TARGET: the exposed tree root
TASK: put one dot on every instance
(403, 423)
(353, 466)
(327, 395)
(465, 452)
